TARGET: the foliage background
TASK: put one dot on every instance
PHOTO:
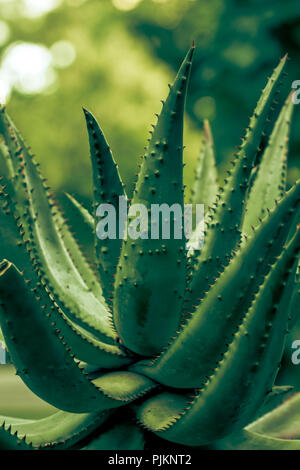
(116, 57)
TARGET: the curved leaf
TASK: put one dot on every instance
(205, 186)
(270, 182)
(58, 431)
(108, 188)
(45, 362)
(231, 395)
(196, 348)
(42, 238)
(223, 231)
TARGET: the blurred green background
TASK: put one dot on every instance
(116, 57)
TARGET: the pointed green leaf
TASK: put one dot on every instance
(283, 422)
(232, 394)
(41, 225)
(151, 273)
(45, 362)
(248, 440)
(11, 241)
(205, 336)
(10, 441)
(59, 431)
(277, 430)
(82, 213)
(223, 232)
(205, 186)
(87, 347)
(274, 398)
(108, 188)
(270, 182)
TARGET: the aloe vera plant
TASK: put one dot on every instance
(155, 342)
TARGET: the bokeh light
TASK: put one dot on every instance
(5, 88)
(36, 8)
(205, 108)
(63, 54)
(4, 32)
(30, 68)
(27, 67)
(125, 4)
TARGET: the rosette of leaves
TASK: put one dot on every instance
(154, 340)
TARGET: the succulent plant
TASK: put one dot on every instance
(156, 343)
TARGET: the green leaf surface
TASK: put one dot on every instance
(205, 186)
(223, 231)
(47, 364)
(58, 431)
(41, 225)
(150, 278)
(108, 188)
(193, 353)
(270, 182)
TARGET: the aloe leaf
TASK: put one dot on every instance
(59, 431)
(47, 365)
(11, 241)
(270, 182)
(108, 188)
(294, 306)
(87, 347)
(275, 398)
(38, 217)
(150, 278)
(120, 436)
(248, 440)
(205, 186)
(283, 422)
(224, 305)
(231, 395)
(277, 430)
(84, 268)
(223, 231)
(82, 213)
(11, 441)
